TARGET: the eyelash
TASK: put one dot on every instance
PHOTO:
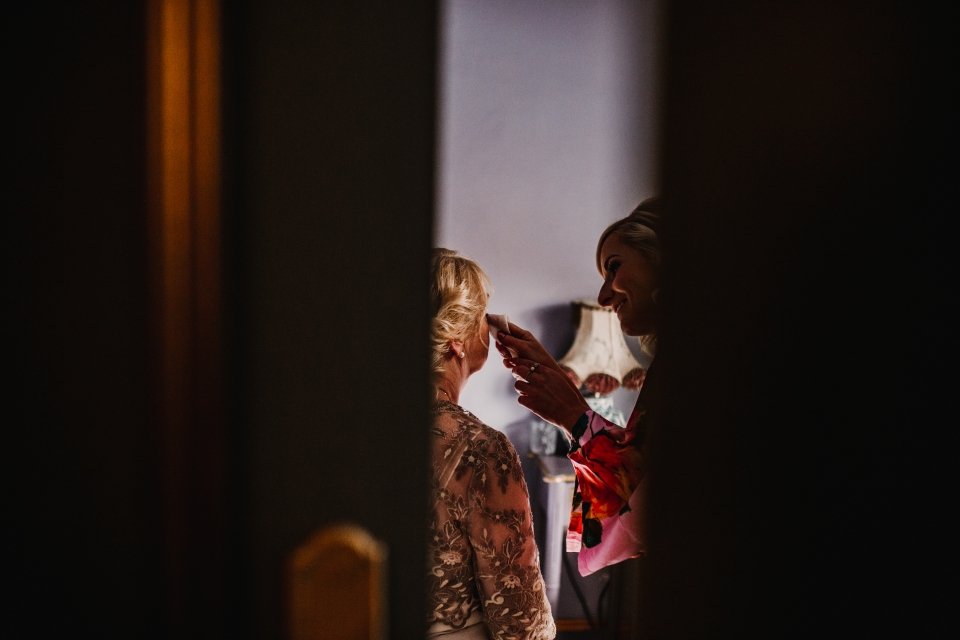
(612, 268)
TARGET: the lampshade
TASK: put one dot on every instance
(599, 358)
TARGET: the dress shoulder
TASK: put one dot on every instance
(477, 450)
(448, 413)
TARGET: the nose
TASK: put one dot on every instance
(605, 297)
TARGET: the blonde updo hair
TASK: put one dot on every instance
(639, 231)
(459, 290)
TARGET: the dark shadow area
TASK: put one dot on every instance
(809, 347)
(808, 354)
(84, 546)
(330, 187)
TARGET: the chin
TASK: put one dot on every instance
(636, 331)
(628, 329)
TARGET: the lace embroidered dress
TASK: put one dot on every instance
(483, 577)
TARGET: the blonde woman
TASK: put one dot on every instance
(608, 523)
(483, 577)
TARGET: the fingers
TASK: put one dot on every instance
(547, 394)
(524, 401)
(523, 343)
(534, 399)
(524, 347)
(523, 334)
(530, 374)
(523, 373)
(509, 341)
(521, 368)
(521, 361)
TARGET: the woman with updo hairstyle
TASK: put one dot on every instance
(483, 577)
(607, 523)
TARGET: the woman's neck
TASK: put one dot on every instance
(441, 394)
(447, 386)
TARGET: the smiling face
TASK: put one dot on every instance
(629, 284)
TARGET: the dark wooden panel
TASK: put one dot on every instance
(81, 456)
(807, 346)
(183, 152)
(331, 112)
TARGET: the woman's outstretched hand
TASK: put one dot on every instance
(543, 386)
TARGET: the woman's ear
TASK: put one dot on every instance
(456, 348)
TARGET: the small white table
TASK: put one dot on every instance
(556, 493)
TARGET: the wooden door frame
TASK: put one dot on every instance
(184, 195)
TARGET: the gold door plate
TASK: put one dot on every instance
(337, 586)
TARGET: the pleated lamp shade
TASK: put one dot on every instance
(599, 358)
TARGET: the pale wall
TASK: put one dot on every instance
(547, 133)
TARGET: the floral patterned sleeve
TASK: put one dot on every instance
(608, 466)
(508, 576)
(591, 424)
